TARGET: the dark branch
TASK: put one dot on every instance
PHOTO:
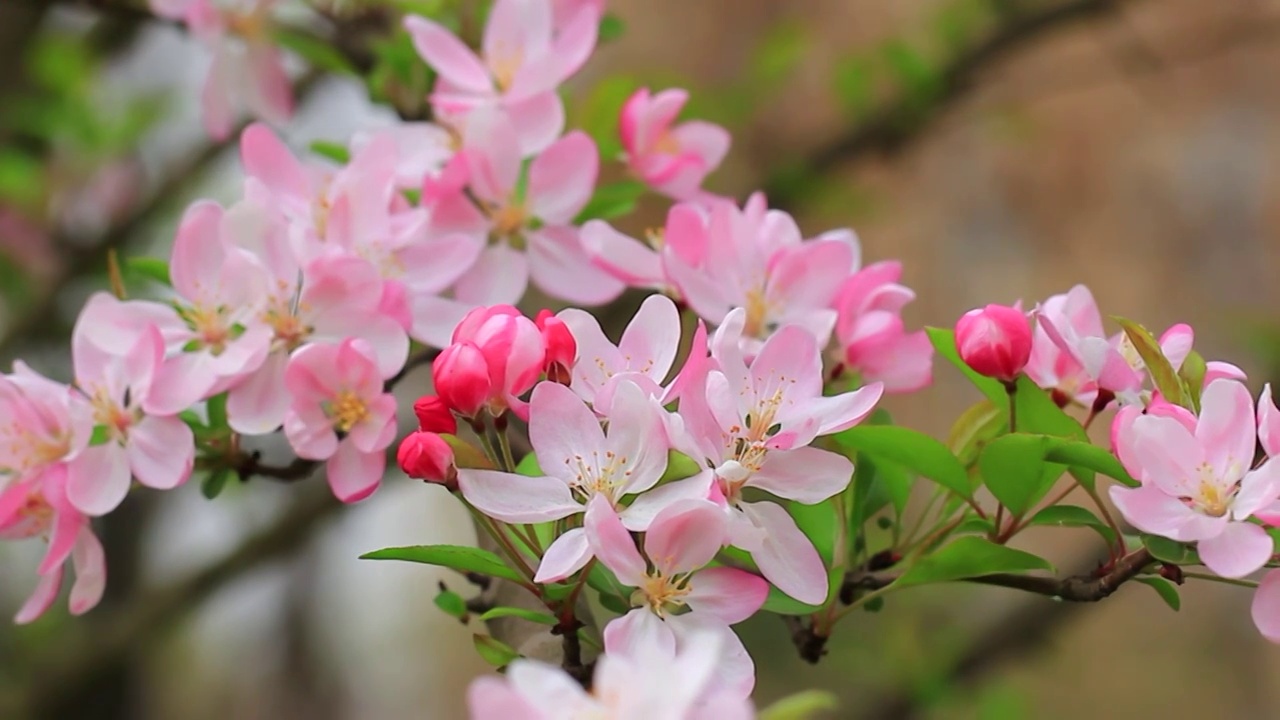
(890, 128)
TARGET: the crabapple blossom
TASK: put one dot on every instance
(41, 509)
(496, 356)
(434, 415)
(1093, 361)
(426, 456)
(247, 72)
(524, 58)
(155, 447)
(1266, 606)
(682, 539)
(672, 160)
(750, 426)
(581, 462)
(45, 424)
(870, 333)
(340, 414)
(1197, 485)
(643, 356)
(995, 341)
(644, 264)
(562, 348)
(653, 680)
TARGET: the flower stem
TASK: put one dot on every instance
(1215, 578)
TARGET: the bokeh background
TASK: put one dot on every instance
(1002, 149)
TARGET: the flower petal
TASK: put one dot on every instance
(161, 452)
(354, 475)
(450, 57)
(517, 498)
(685, 536)
(786, 557)
(566, 556)
(611, 542)
(1239, 550)
(805, 474)
(727, 594)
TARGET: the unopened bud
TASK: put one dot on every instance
(995, 341)
(434, 416)
(426, 456)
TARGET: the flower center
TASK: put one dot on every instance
(667, 143)
(596, 478)
(663, 595)
(116, 417)
(347, 410)
(504, 66)
(290, 330)
(1212, 498)
(209, 325)
(757, 307)
(508, 221)
(34, 517)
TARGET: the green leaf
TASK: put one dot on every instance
(597, 114)
(1170, 551)
(1072, 516)
(318, 53)
(451, 603)
(780, 603)
(1089, 456)
(528, 466)
(494, 651)
(981, 423)
(216, 408)
(1167, 591)
(611, 28)
(456, 557)
(541, 618)
(970, 557)
(917, 76)
(800, 706)
(214, 483)
(100, 435)
(1192, 375)
(818, 523)
(911, 449)
(613, 603)
(1014, 470)
(1162, 372)
(336, 152)
(944, 343)
(612, 200)
(149, 268)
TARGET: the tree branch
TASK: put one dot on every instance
(890, 128)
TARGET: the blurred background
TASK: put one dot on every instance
(1002, 149)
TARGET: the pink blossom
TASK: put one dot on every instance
(1197, 483)
(643, 356)
(138, 441)
(434, 416)
(644, 264)
(682, 539)
(247, 72)
(523, 60)
(426, 456)
(1266, 606)
(750, 426)
(41, 509)
(496, 355)
(581, 462)
(1094, 361)
(652, 680)
(44, 424)
(869, 330)
(672, 160)
(995, 341)
(562, 348)
(341, 415)
(422, 150)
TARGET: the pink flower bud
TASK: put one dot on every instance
(426, 456)
(462, 378)
(512, 347)
(995, 341)
(434, 415)
(562, 349)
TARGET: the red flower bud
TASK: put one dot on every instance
(434, 415)
(426, 456)
(461, 377)
(562, 349)
(995, 341)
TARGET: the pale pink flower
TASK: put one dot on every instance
(1197, 483)
(653, 680)
(221, 288)
(756, 259)
(643, 356)
(1094, 361)
(137, 440)
(422, 150)
(564, 11)
(44, 423)
(673, 160)
(523, 60)
(750, 426)
(1266, 606)
(671, 577)
(247, 72)
(872, 338)
(581, 462)
(644, 264)
(41, 509)
(340, 414)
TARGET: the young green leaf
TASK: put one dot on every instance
(1072, 516)
(149, 268)
(1167, 591)
(451, 603)
(541, 618)
(911, 449)
(818, 523)
(456, 557)
(1090, 457)
(336, 152)
(803, 705)
(611, 28)
(1162, 372)
(214, 483)
(318, 53)
(1014, 470)
(1170, 551)
(612, 200)
(494, 651)
(970, 557)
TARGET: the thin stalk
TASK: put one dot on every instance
(1215, 578)
(504, 543)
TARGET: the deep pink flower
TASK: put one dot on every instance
(995, 341)
(872, 337)
(672, 576)
(673, 160)
(523, 60)
(562, 348)
(496, 355)
(341, 415)
(426, 456)
(434, 415)
(1197, 483)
